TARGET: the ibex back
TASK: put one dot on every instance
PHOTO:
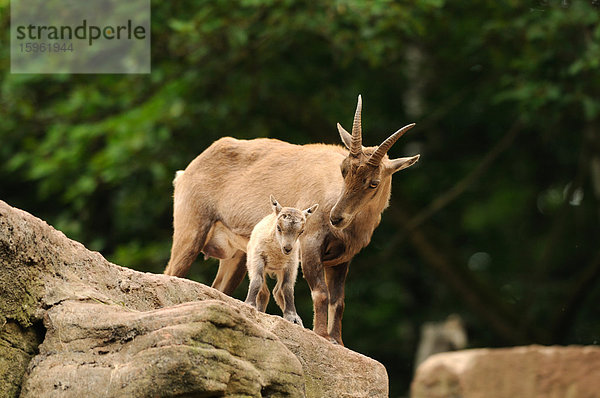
(221, 196)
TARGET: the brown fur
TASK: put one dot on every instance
(228, 182)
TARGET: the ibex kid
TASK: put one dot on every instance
(274, 249)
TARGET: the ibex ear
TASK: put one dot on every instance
(394, 165)
(310, 210)
(345, 136)
(275, 204)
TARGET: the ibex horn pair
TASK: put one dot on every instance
(356, 144)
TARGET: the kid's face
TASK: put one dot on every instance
(290, 225)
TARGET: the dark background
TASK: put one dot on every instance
(498, 222)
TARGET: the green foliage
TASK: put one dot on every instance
(94, 155)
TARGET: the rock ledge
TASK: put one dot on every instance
(72, 324)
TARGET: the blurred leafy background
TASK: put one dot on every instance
(498, 222)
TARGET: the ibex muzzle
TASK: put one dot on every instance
(363, 170)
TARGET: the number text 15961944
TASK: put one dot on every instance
(46, 47)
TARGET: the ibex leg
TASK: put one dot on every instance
(231, 273)
(189, 236)
(336, 279)
(312, 269)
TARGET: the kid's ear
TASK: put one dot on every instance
(275, 204)
(311, 210)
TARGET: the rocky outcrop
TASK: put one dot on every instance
(94, 349)
(74, 325)
(531, 371)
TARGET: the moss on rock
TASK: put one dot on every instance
(18, 346)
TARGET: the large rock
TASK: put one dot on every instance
(530, 371)
(111, 331)
(94, 349)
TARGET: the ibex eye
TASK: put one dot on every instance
(374, 184)
(278, 228)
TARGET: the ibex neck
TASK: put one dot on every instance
(358, 234)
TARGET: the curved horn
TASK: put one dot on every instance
(385, 146)
(356, 146)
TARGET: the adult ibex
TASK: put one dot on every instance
(222, 194)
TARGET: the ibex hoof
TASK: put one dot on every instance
(294, 318)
